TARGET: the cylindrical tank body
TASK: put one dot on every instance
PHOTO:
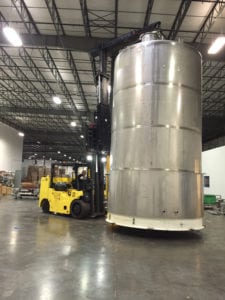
(155, 174)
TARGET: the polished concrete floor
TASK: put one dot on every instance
(52, 257)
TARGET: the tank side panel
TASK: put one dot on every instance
(156, 132)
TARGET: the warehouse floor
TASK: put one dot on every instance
(52, 257)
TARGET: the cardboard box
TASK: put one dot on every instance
(8, 190)
(4, 190)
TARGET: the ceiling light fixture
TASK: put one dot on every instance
(73, 124)
(12, 36)
(57, 100)
(81, 136)
(89, 157)
(217, 45)
(103, 159)
(58, 152)
(21, 134)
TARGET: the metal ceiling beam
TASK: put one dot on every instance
(76, 43)
(20, 75)
(213, 79)
(34, 69)
(32, 151)
(54, 13)
(217, 99)
(214, 98)
(148, 13)
(184, 6)
(45, 149)
(12, 98)
(11, 85)
(37, 111)
(3, 21)
(46, 135)
(12, 123)
(214, 13)
(84, 11)
(83, 44)
(54, 133)
(25, 15)
(101, 21)
(47, 145)
(30, 98)
(77, 80)
(55, 72)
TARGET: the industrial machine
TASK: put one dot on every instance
(65, 192)
(155, 174)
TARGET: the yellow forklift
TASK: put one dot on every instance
(66, 192)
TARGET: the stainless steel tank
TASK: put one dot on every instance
(155, 174)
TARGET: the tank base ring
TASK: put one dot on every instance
(156, 224)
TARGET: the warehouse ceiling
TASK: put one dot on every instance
(55, 59)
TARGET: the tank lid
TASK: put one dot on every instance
(150, 36)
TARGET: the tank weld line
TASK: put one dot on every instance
(157, 43)
(159, 126)
(156, 169)
(170, 84)
(176, 127)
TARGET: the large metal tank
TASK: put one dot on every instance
(155, 174)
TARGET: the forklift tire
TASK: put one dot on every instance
(79, 209)
(45, 206)
(86, 197)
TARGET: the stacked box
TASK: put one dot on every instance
(4, 190)
(8, 190)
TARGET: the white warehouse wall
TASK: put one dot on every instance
(213, 165)
(11, 149)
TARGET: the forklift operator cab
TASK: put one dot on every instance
(64, 192)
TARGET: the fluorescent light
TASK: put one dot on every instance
(217, 45)
(81, 136)
(58, 152)
(12, 36)
(73, 124)
(57, 100)
(89, 157)
(21, 134)
(103, 159)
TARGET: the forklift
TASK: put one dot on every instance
(65, 192)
